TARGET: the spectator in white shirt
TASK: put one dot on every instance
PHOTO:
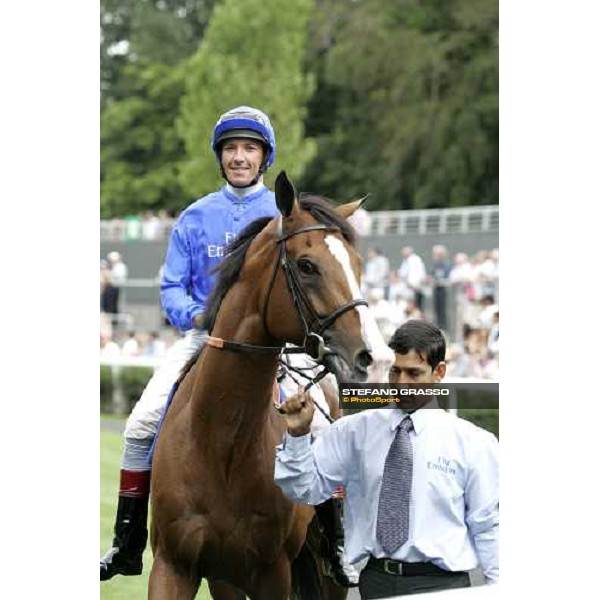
(412, 272)
(377, 270)
(131, 346)
(488, 310)
(157, 346)
(108, 348)
(118, 269)
(151, 226)
(484, 270)
(398, 288)
(381, 310)
(112, 288)
(461, 279)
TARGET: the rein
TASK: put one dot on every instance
(313, 324)
(286, 369)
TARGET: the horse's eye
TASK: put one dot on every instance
(306, 267)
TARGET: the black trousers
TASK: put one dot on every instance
(419, 300)
(377, 584)
(439, 305)
(109, 300)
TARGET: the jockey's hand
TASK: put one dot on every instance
(198, 321)
(298, 410)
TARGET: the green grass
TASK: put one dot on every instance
(120, 588)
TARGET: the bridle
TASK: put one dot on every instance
(313, 324)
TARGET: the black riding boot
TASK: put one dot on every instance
(131, 535)
(330, 518)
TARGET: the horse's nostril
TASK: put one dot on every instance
(364, 359)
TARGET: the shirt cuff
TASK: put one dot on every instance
(296, 444)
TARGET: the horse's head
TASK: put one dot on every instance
(312, 294)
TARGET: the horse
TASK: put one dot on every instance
(216, 511)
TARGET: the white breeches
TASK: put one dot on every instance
(146, 415)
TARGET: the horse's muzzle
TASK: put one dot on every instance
(343, 371)
(363, 360)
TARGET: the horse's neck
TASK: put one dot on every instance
(234, 389)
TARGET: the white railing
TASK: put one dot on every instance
(467, 219)
(132, 228)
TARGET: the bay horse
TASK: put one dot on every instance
(216, 511)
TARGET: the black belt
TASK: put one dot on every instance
(397, 567)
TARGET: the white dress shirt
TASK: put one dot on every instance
(454, 494)
(377, 270)
(413, 272)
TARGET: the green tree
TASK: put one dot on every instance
(414, 98)
(142, 85)
(115, 24)
(140, 148)
(252, 53)
(161, 31)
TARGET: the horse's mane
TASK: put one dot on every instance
(229, 270)
(323, 210)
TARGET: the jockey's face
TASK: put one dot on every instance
(241, 160)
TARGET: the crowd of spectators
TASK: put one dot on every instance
(147, 226)
(152, 344)
(461, 297)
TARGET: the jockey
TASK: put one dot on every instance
(243, 142)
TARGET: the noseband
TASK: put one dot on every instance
(313, 324)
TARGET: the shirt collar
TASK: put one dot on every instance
(420, 417)
(239, 194)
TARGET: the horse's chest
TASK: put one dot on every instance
(237, 543)
(248, 515)
(259, 534)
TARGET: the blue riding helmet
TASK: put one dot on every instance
(245, 122)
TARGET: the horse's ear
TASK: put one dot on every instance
(345, 210)
(285, 194)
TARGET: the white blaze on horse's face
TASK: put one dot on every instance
(383, 355)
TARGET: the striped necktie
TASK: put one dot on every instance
(393, 509)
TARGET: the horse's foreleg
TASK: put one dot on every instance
(275, 583)
(166, 583)
(221, 590)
